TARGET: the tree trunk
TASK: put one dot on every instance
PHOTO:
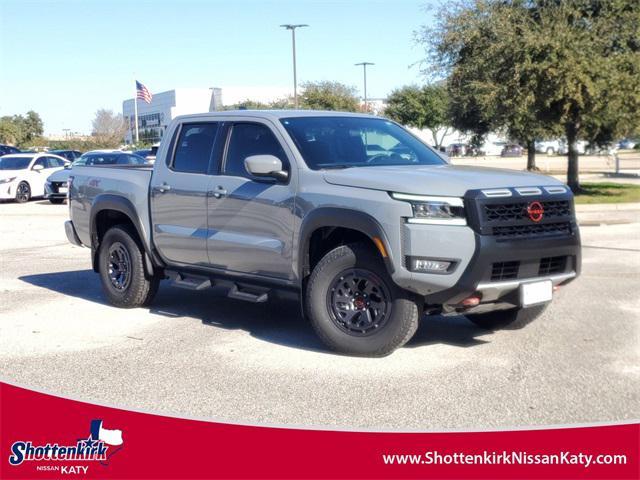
(531, 155)
(573, 179)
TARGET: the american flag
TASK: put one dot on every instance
(143, 92)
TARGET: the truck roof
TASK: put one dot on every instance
(275, 114)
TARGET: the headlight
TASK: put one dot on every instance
(434, 210)
(7, 180)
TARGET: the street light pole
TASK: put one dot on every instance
(364, 68)
(292, 27)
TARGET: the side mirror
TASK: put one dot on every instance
(266, 166)
(37, 168)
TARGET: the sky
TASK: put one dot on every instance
(65, 59)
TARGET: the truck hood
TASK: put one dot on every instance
(446, 180)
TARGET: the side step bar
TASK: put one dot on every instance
(190, 282)
(258, 297)
(234, 290)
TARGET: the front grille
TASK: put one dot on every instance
(508, 218)
(551, 265)
(527, 268)
(539, 229)
(504, 271)
(505, 212)
(55, 186)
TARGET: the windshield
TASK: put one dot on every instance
(340, 142)
(7, 162)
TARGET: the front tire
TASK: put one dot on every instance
(121, 265)
(23, 192)
(511, 319)
(354, 306)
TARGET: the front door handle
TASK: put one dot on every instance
(219, 192)
(165, 187)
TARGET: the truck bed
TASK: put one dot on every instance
(129, 182)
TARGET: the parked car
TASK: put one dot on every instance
(262, 201)
(492, 148)
(142, 153)
(5, 149)
(457, 149)
(70, 155)
(23, 175)
(550, 147)
(560, 147)
(511, 150)
(56, 185)
(626, 144)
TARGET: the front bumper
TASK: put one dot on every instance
(51, 191)
(528, 254)
(8, 190)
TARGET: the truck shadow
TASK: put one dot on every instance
(277, 321)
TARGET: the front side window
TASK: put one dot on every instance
(42, 161)
(249, 139)
(341, 142)
(194, 147)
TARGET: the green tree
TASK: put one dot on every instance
(327, 95)
(421, 107)
(248, 105)
(540, 68)
(32, 126)
(10, 133)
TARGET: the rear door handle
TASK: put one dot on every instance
(165, 187)
(219, 192)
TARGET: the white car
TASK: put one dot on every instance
(23, 175)
(493, 148)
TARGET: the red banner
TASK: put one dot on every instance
(44, 436)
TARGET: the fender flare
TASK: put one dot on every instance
(338, 217)
(123, 205)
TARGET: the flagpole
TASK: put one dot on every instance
(135, 108)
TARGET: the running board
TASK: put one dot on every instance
(236, 293)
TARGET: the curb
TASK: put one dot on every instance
(607, 207)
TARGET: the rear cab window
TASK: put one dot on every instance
(194, 147)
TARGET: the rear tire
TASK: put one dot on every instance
(354, 306)
(23, 192)
(57, 201)
(512, 319)
(121, 266)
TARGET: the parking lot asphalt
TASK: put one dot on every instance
(198, 354)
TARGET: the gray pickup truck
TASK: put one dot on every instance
(365, 223)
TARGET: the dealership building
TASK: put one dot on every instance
(154, 117)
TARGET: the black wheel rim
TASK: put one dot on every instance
(119, 266)
(22, 193)
(359, 302)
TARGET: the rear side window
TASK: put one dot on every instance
(251, 139)
(193, 150)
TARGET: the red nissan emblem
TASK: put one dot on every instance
(535, 210)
